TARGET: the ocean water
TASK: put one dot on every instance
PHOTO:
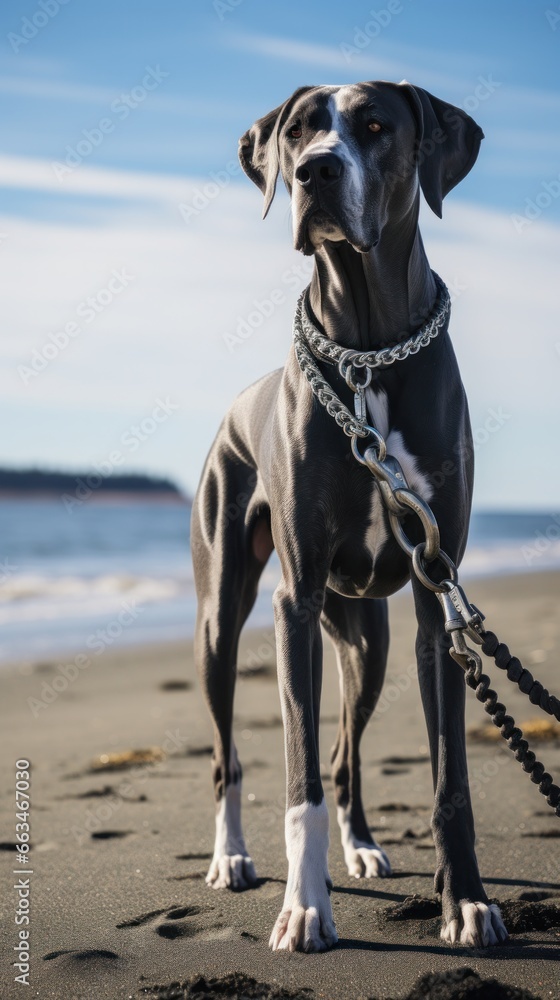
(120, 573)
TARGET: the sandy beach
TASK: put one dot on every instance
(122, 821)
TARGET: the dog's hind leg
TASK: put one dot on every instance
(359, 630)
(229, 552)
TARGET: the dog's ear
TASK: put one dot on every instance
(258, 149)
(448, 141)
(258, 154)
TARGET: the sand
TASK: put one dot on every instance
(121, 841)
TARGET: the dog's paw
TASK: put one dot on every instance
(306, 922)
(364, 859)
(232, 871)
(367, 861)
(477, 925)
(304, 929)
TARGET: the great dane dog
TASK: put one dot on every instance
(354, 160)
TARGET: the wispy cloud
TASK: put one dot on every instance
(38, 174)
(71, 91)
(370, 65)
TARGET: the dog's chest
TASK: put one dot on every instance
(378, 415)
(367, 566)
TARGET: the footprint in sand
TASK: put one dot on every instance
(184, 878)
(175, 686)
(110, 834)
(405, 760)
(257, 671)
(77, 955)
(397, 807)
(193, 857)
(172, 922)
(543, 833)
(202, 751)
(408, 836)
(522, 915)
(101, 793)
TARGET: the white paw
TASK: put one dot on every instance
(367, 861)
(363, 860)
(479, 925)
(231, 866)
(304, 928)
(306, 922)
(231, 871)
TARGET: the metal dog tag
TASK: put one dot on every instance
(360, 406)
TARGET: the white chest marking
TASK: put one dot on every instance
(378, 411)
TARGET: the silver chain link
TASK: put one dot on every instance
(328, 350)
(309, 342)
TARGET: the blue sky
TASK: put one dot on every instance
(146, 101)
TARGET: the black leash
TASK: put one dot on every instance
(516, 672)
(480, 684)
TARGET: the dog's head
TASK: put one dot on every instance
(353, 156)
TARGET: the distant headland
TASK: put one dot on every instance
(66, 486)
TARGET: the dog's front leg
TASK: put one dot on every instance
(305, 922)
(467, 917)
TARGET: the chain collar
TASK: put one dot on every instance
(309, 344)
(328, 350)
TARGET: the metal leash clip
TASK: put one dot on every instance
(462, 617)
(458, 609)
(467, 658)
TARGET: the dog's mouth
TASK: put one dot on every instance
(315, 227)
(318, 227)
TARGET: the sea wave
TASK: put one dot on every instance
(32, 597)
(519, 556)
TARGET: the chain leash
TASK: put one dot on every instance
(462, 619)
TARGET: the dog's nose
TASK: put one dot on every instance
(323, 169)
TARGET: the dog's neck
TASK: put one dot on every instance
(371, 300)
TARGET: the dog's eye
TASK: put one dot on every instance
(295, 131)
(374, 126)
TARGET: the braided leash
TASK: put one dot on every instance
(513, 736)
(536, 693)
(461, 617)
